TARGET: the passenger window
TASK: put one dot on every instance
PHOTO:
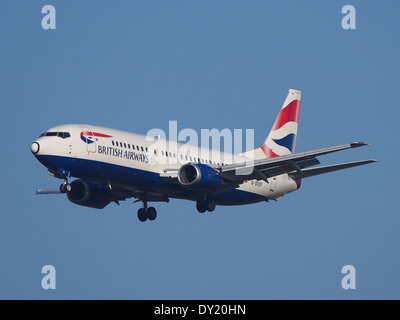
(129, 146)
(147, 150)
(142, 149)
(113, 142)
(117, 143)
(124, 144)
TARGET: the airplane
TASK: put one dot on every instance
(112, 165)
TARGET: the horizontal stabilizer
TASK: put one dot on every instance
(325, 169)
(274, 166)
(48, 191)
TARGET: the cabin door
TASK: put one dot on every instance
(88, 137)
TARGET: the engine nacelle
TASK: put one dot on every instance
(89, 194)
(199, 177)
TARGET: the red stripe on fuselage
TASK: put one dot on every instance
(96, 134)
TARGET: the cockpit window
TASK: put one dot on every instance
(63, 135)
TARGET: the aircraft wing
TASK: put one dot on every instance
(118, 193)
(293, 163)
(325, 169)
(48, 191)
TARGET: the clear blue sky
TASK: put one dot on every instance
(135, 65)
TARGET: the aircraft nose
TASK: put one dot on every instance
(35, 147)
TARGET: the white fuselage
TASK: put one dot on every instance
(137, 162)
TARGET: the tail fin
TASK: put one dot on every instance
(281, 140)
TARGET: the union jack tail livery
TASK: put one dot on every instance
(281, 140)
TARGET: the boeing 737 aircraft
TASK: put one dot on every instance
(113, 165)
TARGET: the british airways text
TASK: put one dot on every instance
(115, 152)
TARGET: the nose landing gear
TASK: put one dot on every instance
(65, 187)
(62, 174)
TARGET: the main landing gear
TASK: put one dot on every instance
(145, 213)
(205, 204)
(150, 213)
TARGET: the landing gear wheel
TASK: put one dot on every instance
(142, 215)
(201, 206)
(204, 205)
(151, 213)
(65, 187)
(211, 205)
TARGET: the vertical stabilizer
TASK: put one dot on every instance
(281, 139)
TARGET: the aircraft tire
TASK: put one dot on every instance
(211, 205)
(151, 213)
(201, 206)
(142, 215)
(65, 187)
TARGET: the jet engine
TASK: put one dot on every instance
(199, 177)
(89, 194)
